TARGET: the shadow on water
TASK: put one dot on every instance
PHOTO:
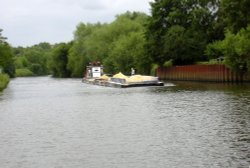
(237, 89)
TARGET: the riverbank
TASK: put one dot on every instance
(4, 80)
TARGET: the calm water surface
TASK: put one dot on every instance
(63, 123)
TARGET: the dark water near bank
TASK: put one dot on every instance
(62, 123)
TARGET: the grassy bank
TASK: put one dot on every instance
(23, 72)
(4, 80)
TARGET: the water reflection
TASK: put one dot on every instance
(47, 122)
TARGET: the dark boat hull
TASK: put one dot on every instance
(121, 85)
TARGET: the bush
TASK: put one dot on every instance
(210, 62)
(235, 48)
(154, 67)
(168, 64)
(4, 80)
(214, 50)
(36, 69)
(23, 72)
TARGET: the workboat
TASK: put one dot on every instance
(94, 75)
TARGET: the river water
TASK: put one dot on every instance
(63, 123)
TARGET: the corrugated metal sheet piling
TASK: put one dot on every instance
(209, 73)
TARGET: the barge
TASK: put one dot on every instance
(94, 75)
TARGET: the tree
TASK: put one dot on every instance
(183, 46)
(109, 44)
(21, 62)
(6, 57)
(36, 61)
(235, 46)
(236, 14)
(193, 19)
(128, 53)
(127, 44)
(2, 39)
(80, 54)
(59, 60)
(33, 58)
(236, 50)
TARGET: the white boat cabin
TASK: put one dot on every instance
(94, 70)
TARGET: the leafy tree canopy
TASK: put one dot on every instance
(59, 59)
(236, 14)
(6, 56)
(192, 19)
(235, 48)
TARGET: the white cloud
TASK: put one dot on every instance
(28, 22)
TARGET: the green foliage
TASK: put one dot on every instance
(23, 72)
(78, 57)
(21, 62)
(168, 63)
(4, 80)
(126, 49)
(118, 45)
(180, 30)
(33, 58)
(154, 67)
(235, 14)
(183, 46)
(36, 61)
(37, 69)
(6, 57)
(210, 62)
(235, 48)
(2, 39)
(31, 61)
(214, 50)
(127, 52)
(127, 45)
(59, 59)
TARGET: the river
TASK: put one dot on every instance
(63, 123)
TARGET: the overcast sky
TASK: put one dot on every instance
(28, 22)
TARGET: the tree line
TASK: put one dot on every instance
(177, 32)
(6, 57)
